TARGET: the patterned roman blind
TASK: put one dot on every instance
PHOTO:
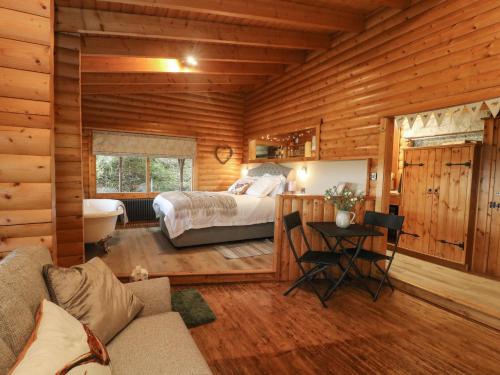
(114, 143)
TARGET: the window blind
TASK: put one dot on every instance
(114, 143)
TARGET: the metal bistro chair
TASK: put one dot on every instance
(389, 221)
(321, 260)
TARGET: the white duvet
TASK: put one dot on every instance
(251, 210)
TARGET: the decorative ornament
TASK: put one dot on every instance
(223, 153)
(400, 121)
(411, 119)
(474, 109)
(439, 115)
(493, 106)
(457, 113)
(426, 116)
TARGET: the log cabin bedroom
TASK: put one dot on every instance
(234, 187)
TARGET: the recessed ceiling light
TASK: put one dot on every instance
(191, 60)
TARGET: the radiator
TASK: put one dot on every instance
(139, 209)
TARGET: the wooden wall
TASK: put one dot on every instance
(213, 118)
(433, 54)
(68, 150)
(26, 160)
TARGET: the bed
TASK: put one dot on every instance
(251, 217)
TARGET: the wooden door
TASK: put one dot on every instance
(451, 202)
(486, 255)
(416, 202)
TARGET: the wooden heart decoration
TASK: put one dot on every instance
(223, 154)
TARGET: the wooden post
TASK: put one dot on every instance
(384, 169)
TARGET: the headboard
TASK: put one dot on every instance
(270, 168)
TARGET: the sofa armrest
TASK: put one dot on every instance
(155, 293)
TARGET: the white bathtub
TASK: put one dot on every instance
(99, 218)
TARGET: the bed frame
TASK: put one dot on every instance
(206, 236)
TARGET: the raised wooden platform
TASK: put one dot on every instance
(474, 297)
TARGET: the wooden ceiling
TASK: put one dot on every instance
(141, 46)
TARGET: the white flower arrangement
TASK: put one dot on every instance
(344, 199)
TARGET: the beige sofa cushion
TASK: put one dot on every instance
(156, 344)
(22, 288)
(154, 293)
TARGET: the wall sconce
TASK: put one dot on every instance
(244, 171)
(302, 173)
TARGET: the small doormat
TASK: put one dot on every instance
(192, 307)
(245, 249)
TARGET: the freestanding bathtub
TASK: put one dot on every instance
(99, 218)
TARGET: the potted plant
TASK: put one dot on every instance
(345, 199)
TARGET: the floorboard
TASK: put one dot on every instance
(259, 331)
(470, 295)
(149, 248)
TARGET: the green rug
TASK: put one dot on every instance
(192, 307)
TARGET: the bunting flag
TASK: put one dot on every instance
(439, 115)
(493, 106)
(457, 113)
(400, 121)
(474, 109)
(411, 119)
(426, 116)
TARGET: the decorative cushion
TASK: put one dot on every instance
(21, 289)
(92, 294)
(263, 186)
(239, 183)
(60, 344)
(241, 189)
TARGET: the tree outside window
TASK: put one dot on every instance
(128, 174)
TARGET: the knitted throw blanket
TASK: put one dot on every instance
(188, 203)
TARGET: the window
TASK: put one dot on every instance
(169, 174)
(142, 163)
(129, 174)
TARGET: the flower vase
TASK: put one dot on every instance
(344, 218)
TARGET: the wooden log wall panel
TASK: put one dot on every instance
(311, 208)
(26, 160)
(68, 150)
(431, 55)
(213, 118)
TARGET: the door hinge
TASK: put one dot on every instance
(410, 234)
(457, 244)
(466, 164)
(406, 164)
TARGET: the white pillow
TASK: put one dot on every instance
(60, 341)
(263, 186)
(280, 189)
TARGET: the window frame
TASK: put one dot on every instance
(131, 195)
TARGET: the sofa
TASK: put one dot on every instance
(155, 342)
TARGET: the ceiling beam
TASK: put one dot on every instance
(103, 64)
(167, 78)
(112, 46)
(96, 22)
(274, 11)
(167, 88)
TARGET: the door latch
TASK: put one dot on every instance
(406, 164)
(494, 205)
(466, 164)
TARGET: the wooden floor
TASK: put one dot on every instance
(473, 296)
(149, 248)
(258, 331)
